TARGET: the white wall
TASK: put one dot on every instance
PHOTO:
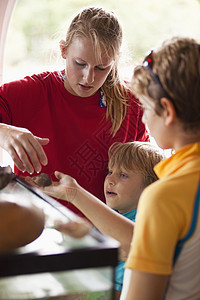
(6, 10)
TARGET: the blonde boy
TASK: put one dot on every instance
(130, 170)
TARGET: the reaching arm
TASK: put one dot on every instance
(104, 218)
(24, 148)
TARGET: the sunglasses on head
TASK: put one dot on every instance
(148, 65)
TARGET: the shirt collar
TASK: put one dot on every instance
(131, 214)
(176, 161)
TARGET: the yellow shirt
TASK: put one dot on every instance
(165, 216)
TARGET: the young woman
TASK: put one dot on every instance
(66, 120)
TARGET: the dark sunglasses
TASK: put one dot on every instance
(148, 65)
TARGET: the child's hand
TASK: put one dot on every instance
(76, 229)
(65, 188)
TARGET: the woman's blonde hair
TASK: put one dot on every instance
(105, 32)
(136, 156)
(177, 65)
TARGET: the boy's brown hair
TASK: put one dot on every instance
(136, 156)
(177, 65)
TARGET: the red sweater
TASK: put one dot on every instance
(78, 131)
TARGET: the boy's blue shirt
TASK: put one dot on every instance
(119, 270)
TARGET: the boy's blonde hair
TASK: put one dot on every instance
(177, 65)
(136, 156)
(105, 32)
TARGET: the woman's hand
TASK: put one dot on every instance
(24, 148)
(65, 188)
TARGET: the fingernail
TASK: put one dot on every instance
(38, 169)
(30, 171)
(44, 162)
